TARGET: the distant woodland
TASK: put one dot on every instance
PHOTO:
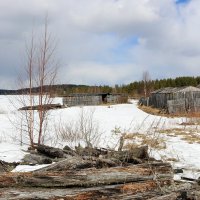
(134, 89)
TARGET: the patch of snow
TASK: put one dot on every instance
(11, 152)
(28, 168)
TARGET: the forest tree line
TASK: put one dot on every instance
(135, 89)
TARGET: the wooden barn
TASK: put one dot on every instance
(94, 99)
(176, 100)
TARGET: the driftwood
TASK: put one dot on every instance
(151, 190)
(92, 174)
(71, 163)
(90, 151)
(138, 152)
(43, 107)
(34, 159)
(102, 157)
(6, 167)
(50, 151)
(89, 177)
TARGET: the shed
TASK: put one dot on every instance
(93, 99)
(198, 86)
(178, 99)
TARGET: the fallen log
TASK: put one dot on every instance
(91, 151)
(135, 155)
(95, 193)
(71, 163)
(6, 167)
(42, 107)
(151, 190)
(89, 177)
(129, 156)
(50, 151)
(101, 163)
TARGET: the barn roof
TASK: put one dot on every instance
(169, 90)
(190, 88)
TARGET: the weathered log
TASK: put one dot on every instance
(89, 177)
(50, 151)
(107, 192)
(6, 167)
(42, 107)
(90, 151)
(135, 191)
(71, 163)
(35, 159)
(180, 195)
(132, 156)
(101, 163)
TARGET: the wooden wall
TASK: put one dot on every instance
(178, 102)
(92, 99)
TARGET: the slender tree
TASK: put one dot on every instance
(146, 79)
(46, 75)
(40, 75)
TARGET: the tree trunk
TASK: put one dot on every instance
(89, 177)
(135, 191)
(50, 151)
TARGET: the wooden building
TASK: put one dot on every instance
(94, 99)
(176, 100)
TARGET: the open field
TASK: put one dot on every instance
(171, 139)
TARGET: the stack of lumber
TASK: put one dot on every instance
(91, 174)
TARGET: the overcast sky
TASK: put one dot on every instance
(105, 41)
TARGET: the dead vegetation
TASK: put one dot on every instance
(137, 139)
(151, 110)
(189, 134)
(193, 116)
(188, 130)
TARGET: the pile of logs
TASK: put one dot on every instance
(42, 107)
(92, 174)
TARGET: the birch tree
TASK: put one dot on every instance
(40, 71)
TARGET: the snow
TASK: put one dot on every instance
(127, 118)
(28, 168)
(11, 152)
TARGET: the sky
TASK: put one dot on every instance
(104, 41)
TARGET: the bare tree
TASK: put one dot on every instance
(146, 79)
(24, 120)
(40, 74)
(47, 71)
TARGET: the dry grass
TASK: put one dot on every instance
(137, 139)
(191, 138)
(155, 111)
(189, 134)
(151, 110)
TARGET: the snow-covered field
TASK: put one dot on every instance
(123, 118)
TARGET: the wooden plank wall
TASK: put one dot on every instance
(94, 99)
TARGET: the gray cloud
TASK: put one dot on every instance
(92, 38)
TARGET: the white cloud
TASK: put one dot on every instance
(92, 33)
(96, 73)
